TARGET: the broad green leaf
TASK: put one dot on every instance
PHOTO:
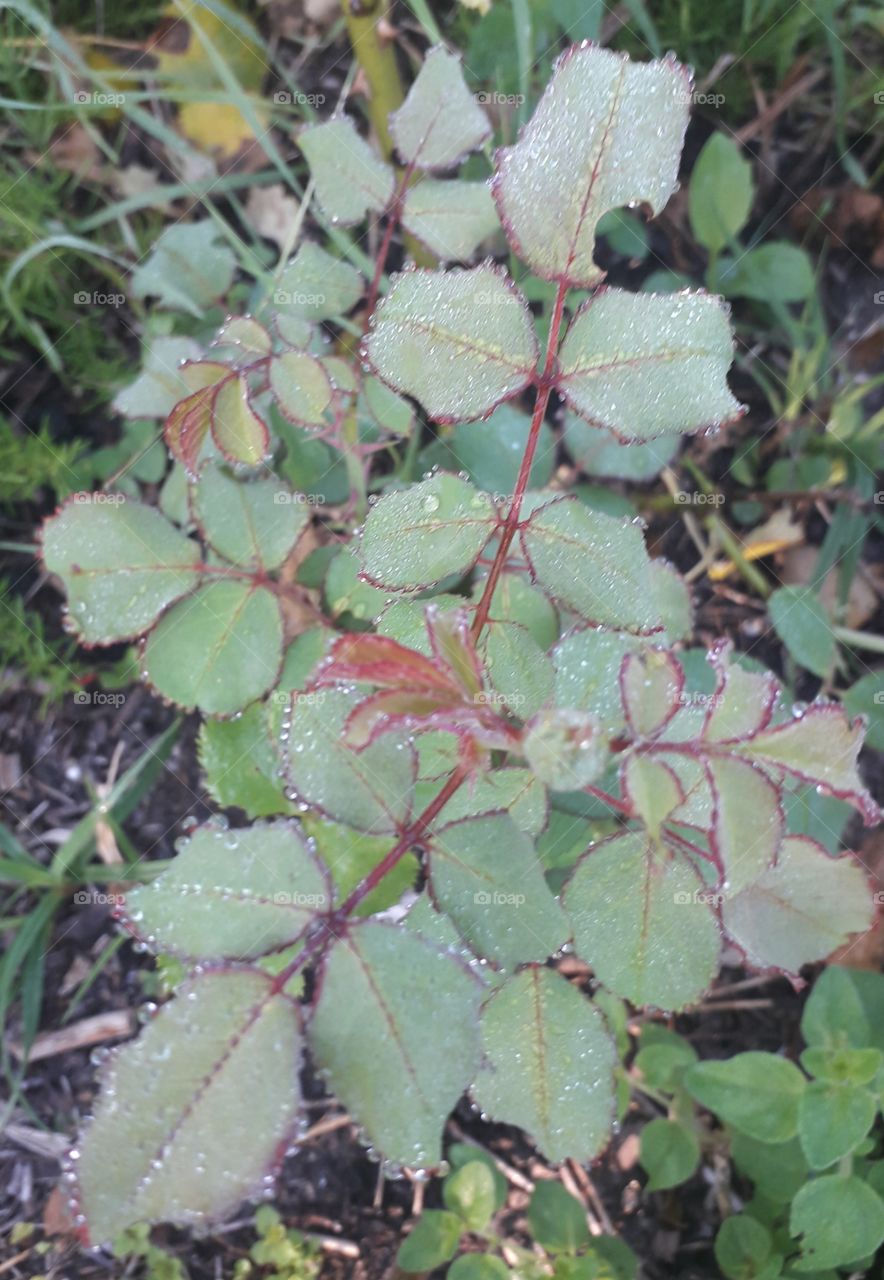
(459, 341)
(514, 791)
(181, 1098)
(348, 176)
(820, 746)
(406, 621)
(188, 268)
(301, 387)
(521, 673)
(774, 272)
(254, 524)
(748, 822)
(670, 1153)
(470, 1193)
(649, 364)
(316, 286)
(492, 451)
(396, 1028)
(663, 1057)
(561, 1039)
(515, 600)
(393, 415)
(653, 790)
(833, 1119)
(345, 592)
(720, 193)
(485, 874)
(606, 133)
(565, 749)
(121, 564)
(595, 564)
(804, 627)
(743, 1245)
(778, 1170)
(417, 536)
(370, 790)
(246, 333)
(587, 667)
(433, 1240)
(838, 1220)
(351, 855)
(233, 895)
(741, 706)
(451, 218)
(843, 1066)
(644, 925)
(219, 649)
(160, 385)
(599, 455)
(240, 764)
(557, 1219)
(461, 1153)
(652, 683)
(478, 1266)
(833, 1014)
(866, 698)
(757, 1093)
(800, 909)
(237, 430)
(440, 122)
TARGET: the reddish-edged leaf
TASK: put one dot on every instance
(652, 683)
(439, 122)
(236, 429)
(748, 820)
(349, 177)
(653, 789)
(301, 387)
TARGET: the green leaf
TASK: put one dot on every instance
(742, 1245)
(240, 764)
(663, 1061)
(774, 272)
(520, 671)
(557, 1220)
(253, 524)
(219, 649)
(644, 925)
(866, 698)
(349, 178)
(670, 1153)
(451, 218)
(833, 1014)
(599, 455)
(301, 386)
(833, 1119)
(178, 1100)
(485, 874)
(233, 895)
(748, 822)
(561, 1038)
(188, 268)
(651, 682)
(758, 1093)
(804, 627)
(720, 193)
(459, 341)
(433, 1240)
(316, 286)
(461, 1153)
(801, 908)
(478, 1266)
(469, 1192)
(351, 855)
(565, 749)
(491, 451)
(121, 564)
(417, 536)
(515, 600)
(440, 122)
(393, 415)
(839, 1220)
(371, 789)
(653, 791)
(587, 667)
(237, 430)
(395, 1027)
(514, 791)
(606, 133)
(345, 592)
(160, 385)
(595, 564)
(778, 1170)
(648, 364)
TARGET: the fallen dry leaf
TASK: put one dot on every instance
(271, 212)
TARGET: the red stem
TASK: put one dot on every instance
(610, 800)
(544, 388)
(394, 215)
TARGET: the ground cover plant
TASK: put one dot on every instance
(501, 653)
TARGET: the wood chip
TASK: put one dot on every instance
(114, 1025)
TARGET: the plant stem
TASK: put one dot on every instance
(859, 639)
(377, 58)
(544, 388)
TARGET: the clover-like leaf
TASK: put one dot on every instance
(484, 873)
(179, 1099)
(596, 564)
(645, 364)
(396, 1029)
(560, 1038)
(233, 895)
(315, 286)
(440, 122)
(254, 523)
(121, 564)
(349, 178)
(606, 133)
(459, 341)
(417, 536)
(801, 908)
(301, 387)
(643, 923)
(451, 218)
(218, 650)
(188, 268)
(371, 789)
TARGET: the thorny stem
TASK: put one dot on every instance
(544, 388)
